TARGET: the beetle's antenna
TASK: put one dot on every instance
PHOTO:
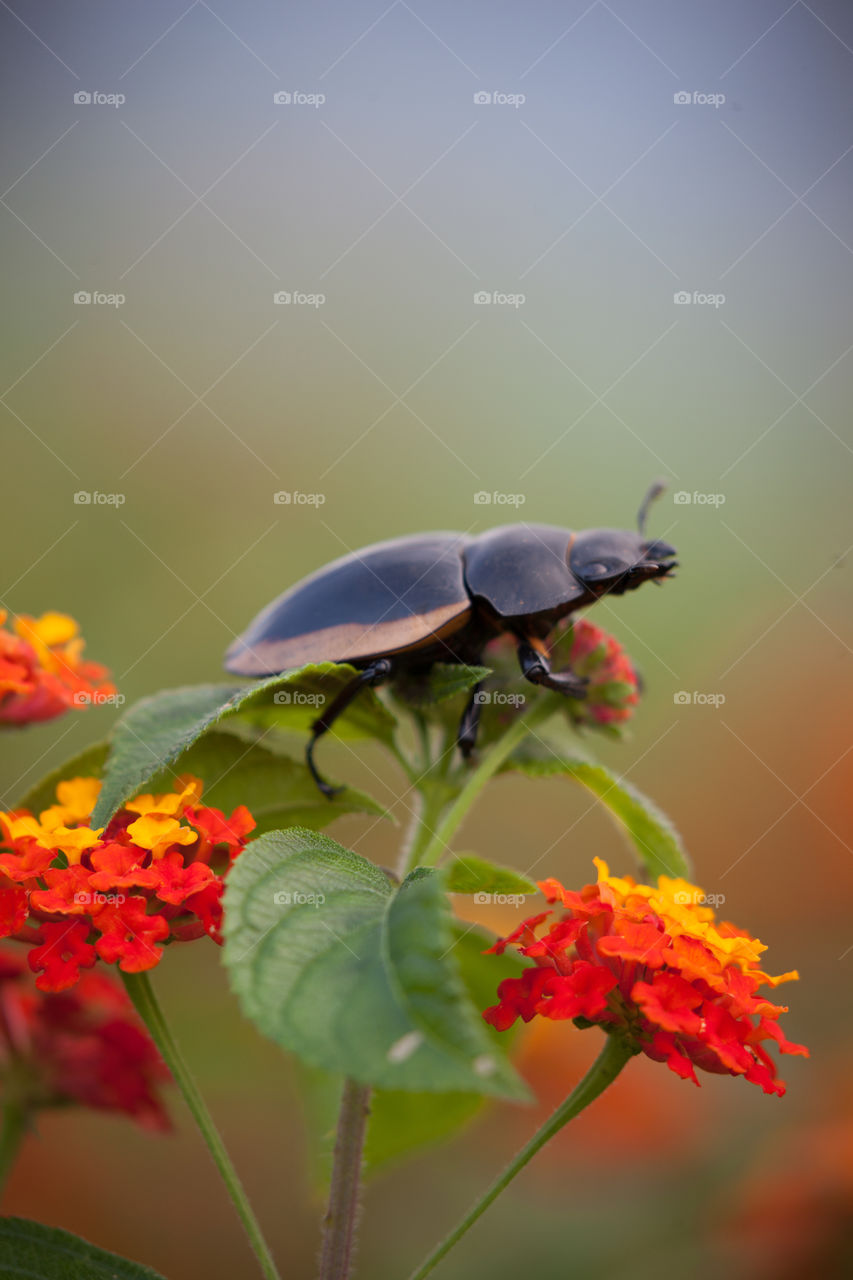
(653, 494)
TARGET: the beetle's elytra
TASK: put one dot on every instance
(441, 597)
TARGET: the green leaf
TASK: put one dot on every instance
(32, 1250)
(278, 790)
(86, 764)
(153, 733)
(444, 680)
(470, 874)
(334, 963)
(402, 1123)
(656, 842)
(293, 702)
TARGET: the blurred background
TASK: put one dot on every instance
(543, 254)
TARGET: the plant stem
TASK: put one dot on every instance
(145, 1002)
(15, 1124)
(603, 1072)
(541, 710)
(339, 1222)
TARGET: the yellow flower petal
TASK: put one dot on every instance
(73, 841)
(77, 796)
(157, 831)
(171, 803)
(50, 629)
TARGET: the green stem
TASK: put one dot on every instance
(603, 1072)
(15, 1125)
(341, 1215)
(541, 710)
(145, 1002)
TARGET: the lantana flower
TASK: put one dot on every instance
(42, 671)
(653, 965)
(85, 1046)
(613, 688)
(154, 875)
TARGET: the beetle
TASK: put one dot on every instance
(405, 604)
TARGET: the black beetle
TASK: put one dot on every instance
(441, 597)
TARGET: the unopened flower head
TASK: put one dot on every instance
(154, 875)
(653, 965)
(42, 670)
(613, 688)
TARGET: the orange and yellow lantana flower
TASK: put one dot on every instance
(654, 965)
(77, 894)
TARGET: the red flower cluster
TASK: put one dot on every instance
(42, 671)
(85, 1046)
(76, 894)
(650, 964)
(613, 689)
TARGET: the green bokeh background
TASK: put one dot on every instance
(397, 400)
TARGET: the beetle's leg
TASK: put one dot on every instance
(536, 667)
(374, 674)
(466, 735)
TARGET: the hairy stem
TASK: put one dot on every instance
(145, 1002)
(541, 710)
(603, 1072)
(342, 1213)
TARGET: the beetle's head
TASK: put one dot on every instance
(611, 561)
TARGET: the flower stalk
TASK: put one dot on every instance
(138, 986)
(613, 1057)
(342, 1213)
